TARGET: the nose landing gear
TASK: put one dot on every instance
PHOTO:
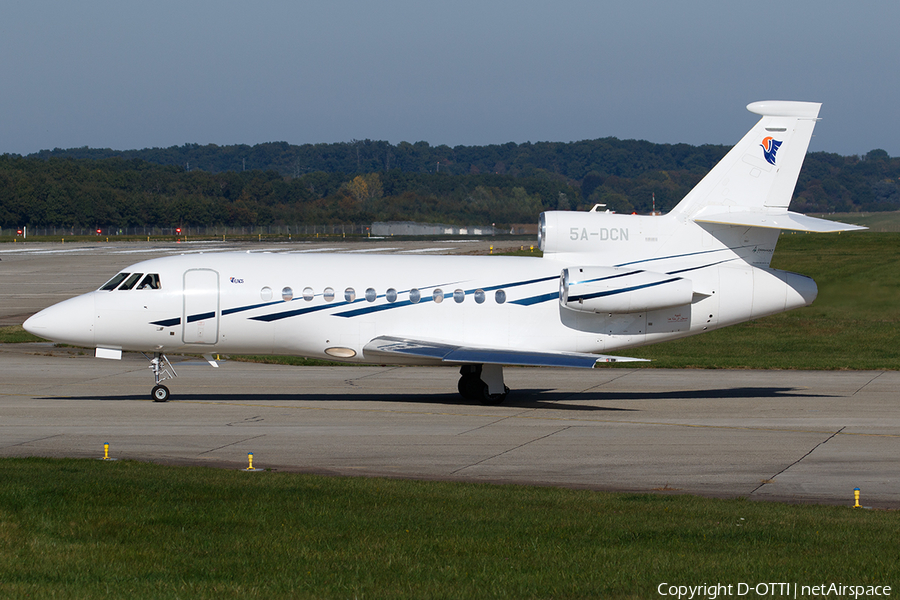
(160, 393)
(162, 370)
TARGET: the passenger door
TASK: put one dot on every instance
(201, 307)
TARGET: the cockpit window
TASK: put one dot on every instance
(129, 283)
(150, 282)
(114, 282)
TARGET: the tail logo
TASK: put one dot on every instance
(770, 147)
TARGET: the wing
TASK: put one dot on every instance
(395, 347)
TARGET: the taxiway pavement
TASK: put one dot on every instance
(795, 436)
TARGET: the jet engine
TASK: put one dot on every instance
(619, 290)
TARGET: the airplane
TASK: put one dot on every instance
(606, 282)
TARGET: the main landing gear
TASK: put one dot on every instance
(162, 370)
(478, 381)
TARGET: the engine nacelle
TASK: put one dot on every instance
(621, 290)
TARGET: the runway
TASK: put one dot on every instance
(793, 436)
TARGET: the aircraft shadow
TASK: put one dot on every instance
(711, 394)
(522, 398)
(519, 398)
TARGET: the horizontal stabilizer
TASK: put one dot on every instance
(774, 220)
(450, 353)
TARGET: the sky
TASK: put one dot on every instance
(130, 75)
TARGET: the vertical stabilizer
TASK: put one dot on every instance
(760, 172)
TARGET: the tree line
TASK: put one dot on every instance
(121, 193)
(361, 181)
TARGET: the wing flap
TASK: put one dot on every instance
(451, 353)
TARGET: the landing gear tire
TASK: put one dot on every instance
(471, 387)
(493, 399)
(160, 393)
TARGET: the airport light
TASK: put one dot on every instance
(106, 453)
(250, 463)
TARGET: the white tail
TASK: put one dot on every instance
(753, 185)
(762, 169)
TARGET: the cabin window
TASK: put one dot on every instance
(129, 283)
(371, 295)
(328, 294)
(349, 295)
(150, 282)
(438, 295)
(266, 293)
(459, 296)
(391, 295)
(287, 294)
(308, 294)
(479, 296)
(414, 296)
(114, 282)
(500, 296)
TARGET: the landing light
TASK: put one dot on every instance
(341, 352)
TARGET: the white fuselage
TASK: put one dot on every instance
(317, 305)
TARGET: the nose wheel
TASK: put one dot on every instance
(162, 370)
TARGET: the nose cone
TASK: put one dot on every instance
(70, 322)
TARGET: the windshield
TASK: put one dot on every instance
(114, 282)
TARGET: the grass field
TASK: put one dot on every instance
(94, 529)
(878, 222)
(16, 334)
